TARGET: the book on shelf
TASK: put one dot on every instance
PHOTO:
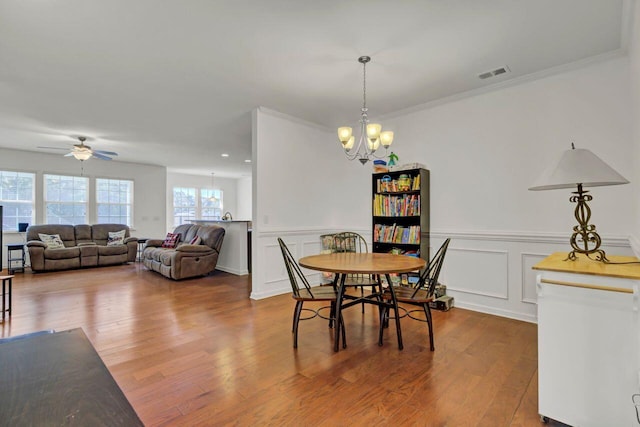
(391, 186)
(383, 233)
(390, 205)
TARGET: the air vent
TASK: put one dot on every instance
(493, 73)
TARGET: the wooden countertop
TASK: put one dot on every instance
(583, 265)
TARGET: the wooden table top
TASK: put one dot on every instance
(59, 379)
(365, 263)
(584, 265)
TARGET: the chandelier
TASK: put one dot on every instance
(212, 198)
(371, 134)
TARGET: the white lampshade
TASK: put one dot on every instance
(81, 154)
(344, 133)
(578, 166)
(373, 130)
(373, 144)
(349, 144)
(386, 138)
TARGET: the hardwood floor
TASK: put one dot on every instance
(200, 352)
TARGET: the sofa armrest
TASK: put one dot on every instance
(156, 243)
(87, 244)
(194, 248)
(130, 239)
(36, 244)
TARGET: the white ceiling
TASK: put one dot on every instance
(173, 83)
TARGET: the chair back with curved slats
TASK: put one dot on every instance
(349, 241)
(429, 278)
(293, 270)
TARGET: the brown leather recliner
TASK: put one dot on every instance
(185, 260)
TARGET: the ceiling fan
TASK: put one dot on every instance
(84, 152)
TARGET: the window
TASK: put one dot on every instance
(114, 201)
(184, 205)
(65, 199)
(17, 194)
(210, 204)
(196, 203)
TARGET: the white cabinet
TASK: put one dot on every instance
(588, 341)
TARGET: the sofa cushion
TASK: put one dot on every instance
(171, 241)
(116, 237)
(83, 234)
(64, 253)
(52, 241)
(112, 250)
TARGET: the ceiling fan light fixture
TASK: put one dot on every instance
(81, 155)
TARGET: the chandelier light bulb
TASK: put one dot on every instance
(349, 144)
(344, 134)
(386, 138)
(373, 130)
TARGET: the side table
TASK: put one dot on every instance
(15, 263)
(141, 244)
(6, 296)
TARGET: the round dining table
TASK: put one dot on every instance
(345, 263)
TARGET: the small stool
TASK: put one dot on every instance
(12, 260)
(6, 307)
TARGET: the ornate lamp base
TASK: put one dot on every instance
(584, 233)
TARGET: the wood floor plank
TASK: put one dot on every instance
(200, 352)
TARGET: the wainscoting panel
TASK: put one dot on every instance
(529, 276)
(467, 270)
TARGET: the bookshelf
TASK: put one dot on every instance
(400, 212)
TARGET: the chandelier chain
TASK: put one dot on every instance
(364, 86)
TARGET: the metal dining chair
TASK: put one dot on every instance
(419, 295)
(349, 241)
(303, 292)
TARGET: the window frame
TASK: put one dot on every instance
(198, 206)
(17, 201)
(128, 205)
(46, 202)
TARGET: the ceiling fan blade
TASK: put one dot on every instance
(108, 153)
(101, 156)
(68, 155)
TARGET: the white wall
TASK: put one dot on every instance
(149, 214)
(634, 78)
(244, 199)
(303, 187)
(484, 152)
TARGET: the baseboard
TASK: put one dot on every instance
(496, 311)
(232, 270)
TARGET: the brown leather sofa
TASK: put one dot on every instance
(84, 246)
(185, 260)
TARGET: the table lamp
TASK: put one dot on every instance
(580, 168)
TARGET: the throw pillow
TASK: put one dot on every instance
(171, 241)
(196, 240)
(116, 238)
(53, 241)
